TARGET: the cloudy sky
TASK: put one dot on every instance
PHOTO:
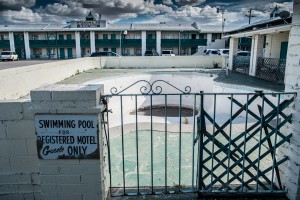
(142, 11)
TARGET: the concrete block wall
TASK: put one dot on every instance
(19, 165)
(71, 179)
(22, 174)
(291, 170)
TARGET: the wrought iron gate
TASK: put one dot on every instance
(208, 143)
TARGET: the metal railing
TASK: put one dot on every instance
(271, 69)
(227, 145)
(241, 64)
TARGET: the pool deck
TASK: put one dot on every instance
(233, 78)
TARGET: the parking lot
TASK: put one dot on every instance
(22, 63)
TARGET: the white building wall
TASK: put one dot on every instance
(273, 44)
(291, 170)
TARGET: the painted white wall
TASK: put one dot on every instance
(163, 62)
(17, 82)
(273, 44)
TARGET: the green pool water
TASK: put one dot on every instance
(171, 169)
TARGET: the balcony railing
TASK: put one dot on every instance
(85, 42)
(4, 43)
(151, 42)
(52, 43)
(107, 42)
(184, 42)
(116, 42)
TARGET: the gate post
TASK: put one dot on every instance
(75, 169)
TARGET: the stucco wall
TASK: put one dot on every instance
(19, 169)
(17, 82)
(273, 44)
(163, 62)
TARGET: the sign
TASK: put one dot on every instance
(67, 136)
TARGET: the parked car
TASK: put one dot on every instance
(243, 53)
(9, 55)
(211, 52)
(167, 53)
(223, 52)
(151, 53)
(105, 53)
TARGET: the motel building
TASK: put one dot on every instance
(268, 44)
(78, 39)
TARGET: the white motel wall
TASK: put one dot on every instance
(17, 82)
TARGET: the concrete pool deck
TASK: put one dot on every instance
(233, 78)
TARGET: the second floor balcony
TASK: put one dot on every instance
(52, 43)
(4, 44)
(184, 42)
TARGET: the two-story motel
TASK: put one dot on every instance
(80, 38)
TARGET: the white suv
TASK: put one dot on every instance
(9, 55)
(167, 53)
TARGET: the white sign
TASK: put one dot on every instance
(67, 136)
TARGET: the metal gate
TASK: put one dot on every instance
(167, 140)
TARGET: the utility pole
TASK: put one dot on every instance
(220, 10)
(250, 15)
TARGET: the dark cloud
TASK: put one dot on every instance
(15, 4)
(190, 2)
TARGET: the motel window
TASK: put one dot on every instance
(114, 50)
(37, 51)
(105, 49)
(137, 36)
(137, 51)
(105, 36)
(113, 36)
(184, 36)
(169, 36)
(69, 37)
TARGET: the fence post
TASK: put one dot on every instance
(200, 132)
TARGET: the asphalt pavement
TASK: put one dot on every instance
(22, 63)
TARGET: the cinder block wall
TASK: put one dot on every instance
(19, 164)
(23, 175)
(291, 170)
(72, 179)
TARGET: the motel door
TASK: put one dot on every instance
(70, 53)
(62, 53)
